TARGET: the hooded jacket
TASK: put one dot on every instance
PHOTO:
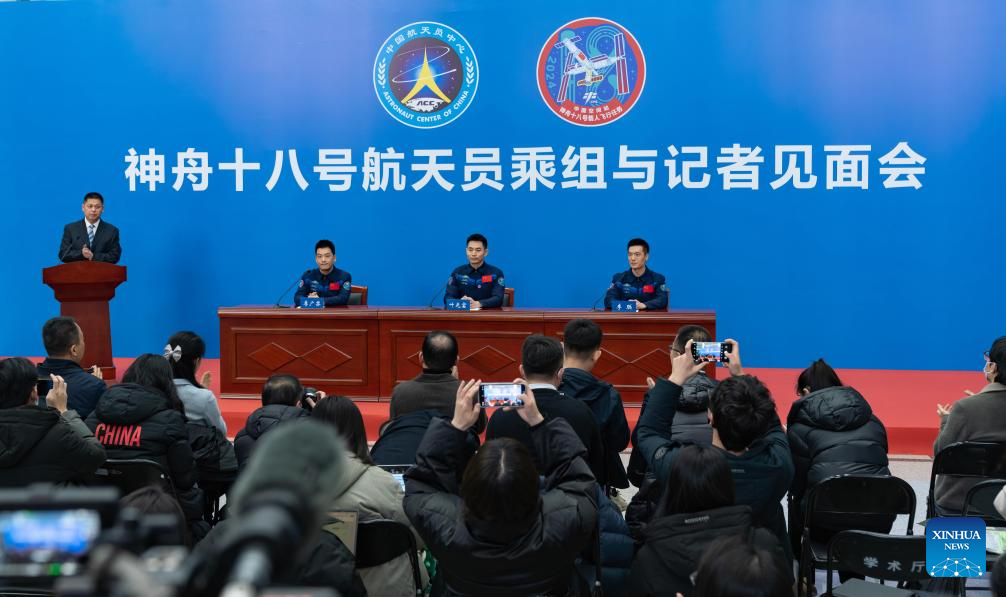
(606, 404)
(672, 546)
(38, 445)
(502, 560)
(375, 494)
(260, 421)
(133, 421)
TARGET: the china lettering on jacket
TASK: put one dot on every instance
(118, 435)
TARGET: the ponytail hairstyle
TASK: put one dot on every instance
(17, 380)
(818, 376)
(182, 352)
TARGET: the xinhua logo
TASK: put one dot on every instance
(955, 547)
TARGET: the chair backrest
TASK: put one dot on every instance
(876, 555)
(132, 474)
(966, 459)
(861, 494)
(357, 295)
(507, 297)
(380, 541)
(980, 502)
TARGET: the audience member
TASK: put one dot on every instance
(436, 386)
(832, 431)
(745, 427)
(143, 418)
(281, 399)
(64, 344)
(976, 418)
(41, 445)
(152, 500)
(697, 507)
(369, 490)
(400, 437)
(582, 348)
(184, 352)
(541, 366)
(741, 566)
(491, 531)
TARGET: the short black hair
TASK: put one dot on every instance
(477, 238)
(324, 244)
(282, 389)
(742, 410)
(94, 195)
(818, 376)
(638, 242)
(59, 334)
(695, 333)
(500, 483)
(997, 354)
(541, 356)
(581, 337)
(440, 351)
(17, 380)
(734, 565)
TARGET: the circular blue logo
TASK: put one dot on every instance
(426, 74)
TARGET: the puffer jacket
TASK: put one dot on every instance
(617, 550)
(606, 404)
(38, 445)
(834, 432)
(132, 421)
(503, 560)
(691, 422)
(259, 422)
(672, 546)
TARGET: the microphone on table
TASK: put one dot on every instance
(599, 299)
(278, 505)
(289, 288)
(441, 290)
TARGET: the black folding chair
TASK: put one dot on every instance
(980, 502)
(380, 541)
(966, 459)
(850, 495)
(132, 474)
(901, 559)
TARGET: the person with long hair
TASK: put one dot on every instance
(184, 352)
(369, 490)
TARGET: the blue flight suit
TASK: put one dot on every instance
(650, 289)
(334, 286)
(484, 285)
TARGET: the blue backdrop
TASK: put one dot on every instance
(879, 278)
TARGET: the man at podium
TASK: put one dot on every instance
(90, 239)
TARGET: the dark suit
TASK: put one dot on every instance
(105, 246)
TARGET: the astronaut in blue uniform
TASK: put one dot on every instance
(638, 283)
(478, 282)
(326, 281)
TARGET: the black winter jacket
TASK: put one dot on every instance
(513, 559)
(672, 546)
(133, 421)
(606, 404)
(834, 432)
(37, 445)
(260, 421)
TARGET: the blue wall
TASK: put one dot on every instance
(881, 278)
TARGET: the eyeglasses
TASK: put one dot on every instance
(987, 357)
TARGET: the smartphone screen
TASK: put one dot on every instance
(43, 385)
(501, 394)
(54, 538)
(709, 351)
(397, 471)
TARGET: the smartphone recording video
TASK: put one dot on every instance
(501, 394)
(712, 352)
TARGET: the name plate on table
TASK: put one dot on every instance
(458, 305)
(308, 302)
(623, 306)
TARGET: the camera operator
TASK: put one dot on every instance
(283, 399)
(41, 445)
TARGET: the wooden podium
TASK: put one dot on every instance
(83, 289)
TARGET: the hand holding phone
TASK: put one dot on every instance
(711, 352)
(493, 395)
(466, 406)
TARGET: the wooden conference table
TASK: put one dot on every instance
(362, 351)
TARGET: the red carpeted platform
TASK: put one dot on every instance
(904, 400)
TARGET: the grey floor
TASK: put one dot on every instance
(914, 469)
